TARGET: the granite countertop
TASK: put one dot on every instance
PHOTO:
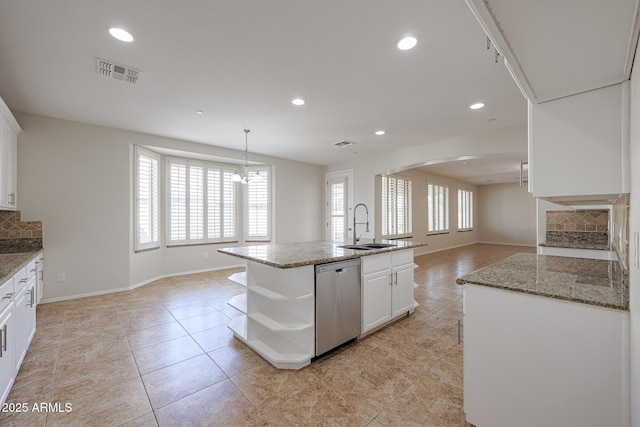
(589, 281)
(290, 255)
(577, 245)
(12, 262)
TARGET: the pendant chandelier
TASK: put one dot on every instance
(246, 175)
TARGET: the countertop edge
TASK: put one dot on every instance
(316, 261)
(28, 257)
(542, 294)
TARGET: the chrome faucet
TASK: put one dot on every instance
(355, 237)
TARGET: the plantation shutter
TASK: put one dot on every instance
(397, 207)
(146, 192)
(258, 208)
(437, 208)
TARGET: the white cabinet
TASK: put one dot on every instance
(20, 337)
(579, 144)
(6, 352)
(536, 361)
(9, 130)
(387, 288)
(17, 323)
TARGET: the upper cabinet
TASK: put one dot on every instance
(576, 81)
(9, 130)
(578, 146)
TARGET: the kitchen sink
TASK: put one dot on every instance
(368, 246)
(379, 245)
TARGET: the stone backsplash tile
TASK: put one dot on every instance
(583, 227)
(620, 228)
(12, 228)
(588, 220)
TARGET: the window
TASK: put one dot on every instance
(437, 208)
(465, 210)
(258, 208)
(201, 202)
(396, 206)
(146, 199)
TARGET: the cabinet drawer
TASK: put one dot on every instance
(20, 280)
(6, 293)
(373, 263)
(402, 257)
(31, 268)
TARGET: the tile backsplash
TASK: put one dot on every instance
(620, 229)
(12, 228)
(586, 225)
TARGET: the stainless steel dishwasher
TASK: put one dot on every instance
(337, 304)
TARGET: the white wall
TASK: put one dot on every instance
(500, 142)
(634, 227)
(506, 214)
(77, 179)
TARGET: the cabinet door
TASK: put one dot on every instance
(21, 334)
(31, 311)
(376, 295)
(572, 137)
(8, 165)
(402, 290)
(6, 357)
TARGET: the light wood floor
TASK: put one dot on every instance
(163, 355)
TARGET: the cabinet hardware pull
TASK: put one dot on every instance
(23, 280)
(4, 339)
(31, 299)
(8, 296)
(460, 325)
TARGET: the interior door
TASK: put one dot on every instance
(339, 204)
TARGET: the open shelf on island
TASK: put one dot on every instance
(281, 325)
(238, 326)
(294, 358)
(281, 293)
(240, 278)
(239, 302)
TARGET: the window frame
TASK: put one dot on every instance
(225, 170)
(432, 215)
(387, 207)
(247, 205)
(154, 242)
(468, 210)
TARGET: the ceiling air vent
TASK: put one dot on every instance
(343, 143)
(116, 71)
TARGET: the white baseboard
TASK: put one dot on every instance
(137, 285)
(510, 244)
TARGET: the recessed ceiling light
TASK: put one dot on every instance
(476, 106)
(380, 132)
(297, 101)
(407, 43)
(199, 112)
(121, 34)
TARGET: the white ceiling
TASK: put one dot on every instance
(242, 61)
(497, 169)
(569, 46)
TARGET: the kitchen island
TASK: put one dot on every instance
(278, 319)
(546, 342)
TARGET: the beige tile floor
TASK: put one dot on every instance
(163, 355)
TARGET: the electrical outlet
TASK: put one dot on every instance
(206, 255)
(61, 277)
